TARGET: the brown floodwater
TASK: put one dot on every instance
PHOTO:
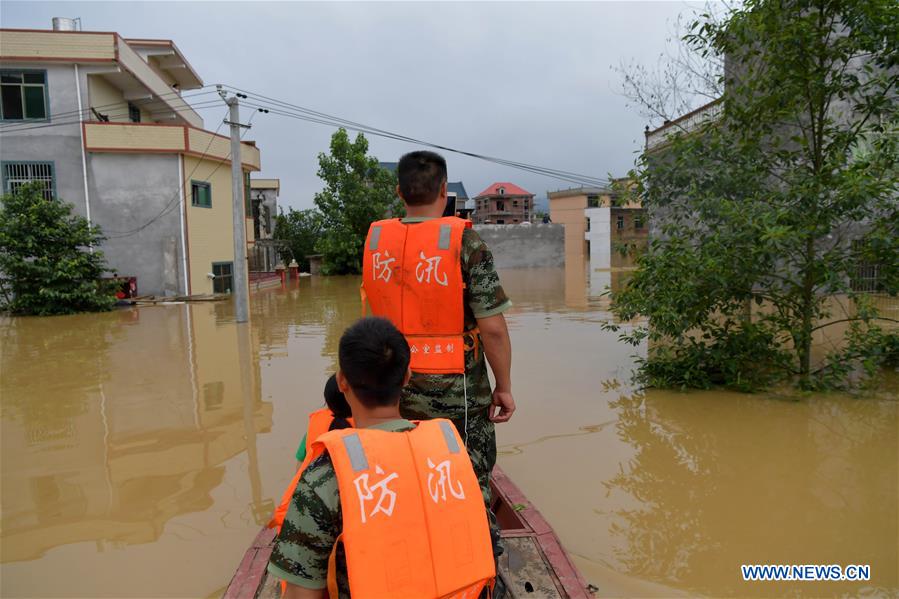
(143, 448)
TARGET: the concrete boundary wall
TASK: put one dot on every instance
(525, 246)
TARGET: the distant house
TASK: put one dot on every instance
(503, 204)
(456, 191)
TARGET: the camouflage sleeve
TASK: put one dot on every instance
(311, 527)
(485, 294)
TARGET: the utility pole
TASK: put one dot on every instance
(241, 286)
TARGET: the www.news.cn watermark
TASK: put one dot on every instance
(800, 572)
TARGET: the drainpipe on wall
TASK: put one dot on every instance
(87, 199)
(181, 210)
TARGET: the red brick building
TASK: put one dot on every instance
(503, 204)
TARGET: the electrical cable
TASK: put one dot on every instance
(77, 121)
(582, 179)
(86, 110)
(170, 205)
(310, 115)
(165, 209)
(138, 103)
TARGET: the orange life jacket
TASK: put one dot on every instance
(414, 522)
(319, 423)
(412, 275)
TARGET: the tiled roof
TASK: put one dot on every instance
(458, 188)
(510, 189)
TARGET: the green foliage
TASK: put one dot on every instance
(357, 192)
(761, 205)
(44, 257)
(299, 230)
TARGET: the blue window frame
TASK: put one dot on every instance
(16, 174)
(23, 95)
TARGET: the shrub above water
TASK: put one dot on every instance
(46, 266)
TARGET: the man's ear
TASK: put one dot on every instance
(408, 376)
(342, 383)
(399, 193)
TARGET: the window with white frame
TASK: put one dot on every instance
(17, 174)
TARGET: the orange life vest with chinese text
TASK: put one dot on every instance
(412, 275)
(319, 423)
(414, 522)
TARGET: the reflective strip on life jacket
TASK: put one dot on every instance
(414, 522)
(319, 423)
(412, 275)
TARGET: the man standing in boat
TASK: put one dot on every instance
(434, 278)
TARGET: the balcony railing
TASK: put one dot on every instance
(684, 124)
(153, 138)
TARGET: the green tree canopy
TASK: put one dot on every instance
(45, 262)
(298, 231)
(777, 201)
(357, 192)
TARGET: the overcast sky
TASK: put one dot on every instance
(530, 82)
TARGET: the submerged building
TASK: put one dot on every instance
(103, 122)
(599, 224)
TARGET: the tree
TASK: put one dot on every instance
(45, 257)
(776, 202)
(357, 192)
(298, 231)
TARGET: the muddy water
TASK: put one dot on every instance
(140, 453)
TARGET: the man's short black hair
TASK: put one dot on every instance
(374, 358)
(420, 175)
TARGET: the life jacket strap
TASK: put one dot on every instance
(333, 593)
(473, 335)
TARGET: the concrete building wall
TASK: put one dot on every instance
(127, 191)
(525, 246)
(569, 211)
(209, 229)
(60, 144)
(110, 101)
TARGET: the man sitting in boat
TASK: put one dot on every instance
(391, 508)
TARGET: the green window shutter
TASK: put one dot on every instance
(34, 102)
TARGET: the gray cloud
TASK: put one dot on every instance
(530, 82)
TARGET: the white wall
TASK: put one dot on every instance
(600, 237)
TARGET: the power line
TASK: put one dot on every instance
(77, 120)
(171, 203)
(166, 208)
(309, 115)
(86, 111)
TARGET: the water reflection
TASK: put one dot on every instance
(715, 483)
(113, 424)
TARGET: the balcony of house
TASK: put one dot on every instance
(152, 138)
(689, 122)
(147, 83)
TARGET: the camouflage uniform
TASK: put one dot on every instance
(312, 524)
(443, 395)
